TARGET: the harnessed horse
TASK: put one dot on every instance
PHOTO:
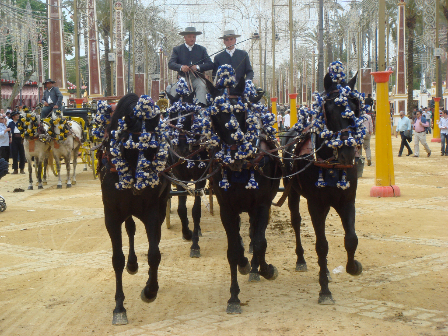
(242, 131)
(185, 137)
(134, 152)
(326, 155)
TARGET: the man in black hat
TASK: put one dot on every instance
(52, 98)
(188, 58)
(237, 58)
(16, 144)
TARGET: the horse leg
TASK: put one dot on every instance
(67, 165)
(44, 168)
(183, 215)
(39, 173)
(347, 214)
(318, 213)
(251, 234)
(261, 220)
(113, 226)
(75, 162)
(196, 213)
(58, 170)
(131, 265)
(254, 276)
(30, 172)
(296, 220)
(235, 257)
(153, 231)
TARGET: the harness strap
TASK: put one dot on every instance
(285, 195)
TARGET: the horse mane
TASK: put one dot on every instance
(125, 108)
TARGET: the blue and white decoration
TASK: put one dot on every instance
(314, 118)
(258, 119)
(147, 171)
(102, 118)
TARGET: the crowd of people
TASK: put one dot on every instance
(11, 144)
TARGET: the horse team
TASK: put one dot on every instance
(232, 144)
(60, 138)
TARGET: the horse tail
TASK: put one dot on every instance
(50, 163)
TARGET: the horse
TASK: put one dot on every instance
(134, 152)
(317, 155)
(36, 142)
(186, 137)
(249, 178)
(67, 135)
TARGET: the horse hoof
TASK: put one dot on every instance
(30, 187)
(357, 270)
(254, 277)
(251, 249)
(69, 185)
(274, 272)
(244, 270)
(187, 236)
(40, 187)
(301, 267)
(233, 308)
(59, 186)
(132, 269)
(120, 319)
(195, 253)
(145, 299)
(326, 299)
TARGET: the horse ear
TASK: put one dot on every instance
(352, 81)
(170, 97)
(328, 82)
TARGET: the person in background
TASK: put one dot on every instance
(17, 149)
(287, 120)
(443, 125)
(279, 121)
(404, 124)
(420, 135)
(369, 101)
(366, 144)
(4, 137)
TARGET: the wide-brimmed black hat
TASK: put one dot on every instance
(229, 33)
(49, 80)
(190, 30)
(13, 113)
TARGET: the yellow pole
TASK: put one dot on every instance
(436, 118)
(293, 109)
(384, 170)
(274, 110)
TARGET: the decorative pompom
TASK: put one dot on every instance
(224, 183)
(252, 184)
(182, 87)
(225, 76)
(343, 184)
(320, 181)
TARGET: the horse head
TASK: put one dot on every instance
(340, 112)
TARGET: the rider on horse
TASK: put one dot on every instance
(52, 98)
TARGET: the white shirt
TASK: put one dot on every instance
(49, 100)
(443, 124)
(286, 120)
(230, 52)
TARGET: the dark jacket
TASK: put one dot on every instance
(12, 126)
(55, 94)
(240, 62)
(182, 56)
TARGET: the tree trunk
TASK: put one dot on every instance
(108, 66)
(410, 72)
(16, 89)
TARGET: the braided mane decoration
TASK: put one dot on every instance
(59, 128)
(258, 120)
(146, 173)
(28, 125)
(102, 118)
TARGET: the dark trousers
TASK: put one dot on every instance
(17, 150)
(4, 153)
(404, 142)
(46, 110)
(444, 141)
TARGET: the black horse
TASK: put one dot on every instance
(121, 203)
(186, 143)
(244, 183)
(328, 166)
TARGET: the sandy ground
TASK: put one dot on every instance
(56, 276)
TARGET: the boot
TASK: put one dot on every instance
(22, 171)
(15, 171)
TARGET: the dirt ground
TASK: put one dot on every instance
(56, 276)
